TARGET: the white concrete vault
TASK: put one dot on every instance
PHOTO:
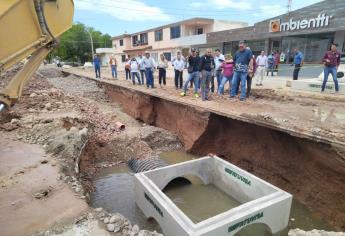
(261, 202)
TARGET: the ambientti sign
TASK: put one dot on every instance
(321, 20)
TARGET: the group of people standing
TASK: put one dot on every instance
(203, 70)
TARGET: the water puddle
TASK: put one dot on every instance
(115, 193)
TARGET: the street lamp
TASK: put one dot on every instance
(93, 55)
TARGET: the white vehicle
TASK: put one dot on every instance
(88, 65)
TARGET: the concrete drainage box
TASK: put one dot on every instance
(260, 202)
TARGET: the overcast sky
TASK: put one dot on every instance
(119, 16)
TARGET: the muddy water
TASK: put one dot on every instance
(114, 192)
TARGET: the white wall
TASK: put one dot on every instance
(220, 25)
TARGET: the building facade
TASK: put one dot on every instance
(168, 39)
(311, 29)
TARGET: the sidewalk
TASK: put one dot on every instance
(318, 117)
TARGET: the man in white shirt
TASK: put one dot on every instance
(218, 61)
(142, 68)
(179, 65)
(150, 65)
(261, 63)
(135, 70)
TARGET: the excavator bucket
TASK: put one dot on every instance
(28, 25)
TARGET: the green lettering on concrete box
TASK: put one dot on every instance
(245, 222)
(153, 204)
(238, 176)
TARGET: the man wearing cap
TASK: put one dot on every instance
(142, 67)
(150, 65)
(193, 72)
(331, 60)
(218, 61)
(242, 60)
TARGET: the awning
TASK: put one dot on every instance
(139, 48)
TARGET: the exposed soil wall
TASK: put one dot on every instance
(313, 172)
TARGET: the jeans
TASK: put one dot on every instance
(222, 84)
(114, 71)
(205, 84)
(142, 75)
(128, 74)
(219, 76)
(149, 77)
(296, 71)
(249, 85)
(330, 70)
(162, 73)
(270, 69)
(98, 71)
(178, 78)
(236, 79)
(194, 76)
(135, 74)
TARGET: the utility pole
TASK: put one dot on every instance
(289, 6)
(93, 55)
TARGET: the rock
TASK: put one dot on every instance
(74, 129)
(106, 220)
(99, 209)
(117, 229)
(83, 132)
(135, 229)
(114, 219)
(32, 95)
(15, 121)
(48, 106)
(111, 227)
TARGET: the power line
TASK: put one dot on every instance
(202, 14)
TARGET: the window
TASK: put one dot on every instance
(143, 39)
(199, 31)
(121, 42)
(167, 55)
(159, 35)
(135, 41)
(175, 32)
(123, 58)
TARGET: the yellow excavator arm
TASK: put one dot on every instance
(29, 27)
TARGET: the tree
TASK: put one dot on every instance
(75, 44)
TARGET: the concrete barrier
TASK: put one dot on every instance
(260, 201)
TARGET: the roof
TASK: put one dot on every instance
(165, 26)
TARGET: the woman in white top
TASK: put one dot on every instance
(162, 66)
(135, 67)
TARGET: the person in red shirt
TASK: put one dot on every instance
(331, 60)
(228, 71)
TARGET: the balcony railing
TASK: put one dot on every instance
(191, 40)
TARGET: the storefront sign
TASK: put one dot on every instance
(321, 20)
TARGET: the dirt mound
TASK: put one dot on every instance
(50, 72)
(79, 87)
(159, 139)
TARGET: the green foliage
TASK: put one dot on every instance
(75, 44)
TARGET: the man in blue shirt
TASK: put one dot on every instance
(242, 59)
(97, 65)
(298, 62)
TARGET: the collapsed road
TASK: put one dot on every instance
(71, 121)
